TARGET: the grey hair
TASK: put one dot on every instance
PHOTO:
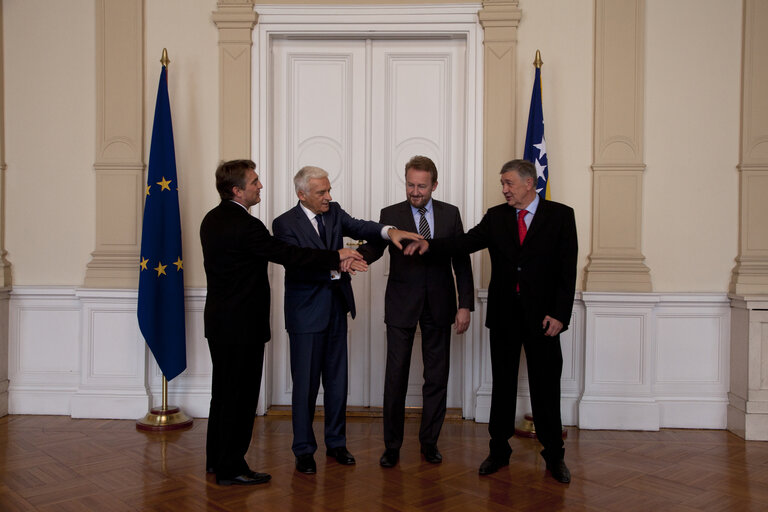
(524, 169)
(306, 173)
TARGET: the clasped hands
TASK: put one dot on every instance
(352, 261)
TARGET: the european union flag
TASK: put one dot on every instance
(161, 276)
(535, 145)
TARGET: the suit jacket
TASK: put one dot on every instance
(236, 249)
(418, 280)
(544, 266)
(308, 291)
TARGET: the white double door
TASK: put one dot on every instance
(360, 109)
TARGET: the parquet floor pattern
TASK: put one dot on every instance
(55, 463)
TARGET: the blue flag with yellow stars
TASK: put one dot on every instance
(161, 276)
(535, 145)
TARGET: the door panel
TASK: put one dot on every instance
(360, 109)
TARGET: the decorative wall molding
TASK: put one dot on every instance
(4, 331)
(79, 352)
(235, 20)
(748, 397)
(633, 361)
(630, 361)
(499, 21)
(748, 409)
(655, 360)
(119, 161)
(750, 275)
(5, 266)
(616, 260)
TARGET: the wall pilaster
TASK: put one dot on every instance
(750, 275)
(616, 260)
(119, 163)
(5, 266)
(748, 397)
(235, 20)
(499, 19)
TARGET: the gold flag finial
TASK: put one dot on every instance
(165, 60)
(537, 61)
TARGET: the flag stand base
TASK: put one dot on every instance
(526, 428)
(160, 419)
(164, 418)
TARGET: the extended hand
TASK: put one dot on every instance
(551, 326)
(347, 253)
(462, 320)
(395, 235)
(416, 247)
(352, 266)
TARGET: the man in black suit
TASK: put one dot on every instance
(236, 249)
(420, 290)
(533, 248)
(316, 307)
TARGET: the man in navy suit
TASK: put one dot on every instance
(533, 247)
(316, 306)
(236, 249)
(421, 291)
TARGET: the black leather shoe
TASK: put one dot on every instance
(389, 458)
(432, 454)
(306, 464)
(341, 454)
(491, 465)
(559, 471)
(249, 478)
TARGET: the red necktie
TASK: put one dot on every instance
(522, 229)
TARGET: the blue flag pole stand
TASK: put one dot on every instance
(164, 418)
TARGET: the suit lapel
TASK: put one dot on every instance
(511, 224)
(306, 227)
(539, 219)
(405, 220)
(438, 215)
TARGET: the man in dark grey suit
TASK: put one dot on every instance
(533, 247)
(316, 307)
(420, 290)
(236, 249)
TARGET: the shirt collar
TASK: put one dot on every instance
(428, 207)
(531, 208)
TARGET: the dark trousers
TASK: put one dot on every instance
(545, 365)
(235, 387)
(315, 357)
(435, 349)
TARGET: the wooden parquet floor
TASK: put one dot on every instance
(55, 463)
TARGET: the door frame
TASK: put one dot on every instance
(377, 22)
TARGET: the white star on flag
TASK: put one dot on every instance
(542, 147)
(539, 170)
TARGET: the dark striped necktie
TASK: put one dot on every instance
(423, 224)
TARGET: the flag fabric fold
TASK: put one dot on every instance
(161, 276)
(535, 144)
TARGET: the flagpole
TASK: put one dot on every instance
(164, 418)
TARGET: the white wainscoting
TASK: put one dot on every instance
(79, 352)
(655, 360)
(635, 362)
(630, 361)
